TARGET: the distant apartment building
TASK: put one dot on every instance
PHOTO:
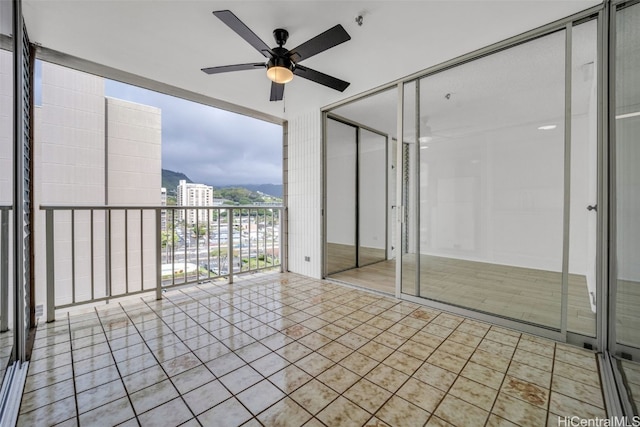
(191, 194)
(94, 150)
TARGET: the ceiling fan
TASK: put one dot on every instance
(284, 63)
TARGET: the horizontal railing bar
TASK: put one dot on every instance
(171, 207)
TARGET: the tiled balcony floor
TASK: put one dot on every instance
(286, 350)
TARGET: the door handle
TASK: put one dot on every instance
(592, 208)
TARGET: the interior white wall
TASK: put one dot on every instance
(305, 193)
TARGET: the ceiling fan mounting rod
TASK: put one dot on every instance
(281, 35)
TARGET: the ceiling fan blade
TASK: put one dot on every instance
(277, 91)
(237, 67)
(330, 38)
(243, 31)
(321, 78)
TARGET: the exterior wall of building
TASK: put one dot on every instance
(87, 151)
(304, 181)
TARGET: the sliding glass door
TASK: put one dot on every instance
(499, 183)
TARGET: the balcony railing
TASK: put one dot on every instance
(96, 253)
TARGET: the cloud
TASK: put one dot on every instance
(210, 145)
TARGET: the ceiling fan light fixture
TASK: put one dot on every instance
(279, 74)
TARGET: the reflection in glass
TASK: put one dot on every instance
(372, 187)
(341, 155)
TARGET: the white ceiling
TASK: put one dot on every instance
(170, 41)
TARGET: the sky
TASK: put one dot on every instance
(209, 145)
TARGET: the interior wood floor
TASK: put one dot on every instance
(524, 294)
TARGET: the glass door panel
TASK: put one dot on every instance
(341, 155)
(627, 196)
(484, 183)
(581, 297)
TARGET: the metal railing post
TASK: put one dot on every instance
(51, 277)
(230, 257)
(281, 249)
(158, 256)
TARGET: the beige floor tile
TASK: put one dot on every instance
(289, 378)
(47, 395)
(108, 415)
(541, 347)
(240, 379)
(144, 378)
(438, 330)
(530, 374)
(399, 412)
(465, 338)
(490, 360)
(260, 396)
(134, 365)
(376, 422)
(352, 340)
(474, 393)
(180, 364)
(390, 340)
(269, 364)
(211, 351)
(416, 349)
(578, 390)
(172, 413)
(518, 411)
(314, 340)
(387, 377)
(367, 395)
(403, 362)
(229, 412)
(293, 351)
(437, 422)
(153, 396)
(335, 351)
(47, 378)
(100, 395)
(314, 364)
(460, 413)
(421, 394)
(526, 391)
(342, 412)
(359, 363)
(314, 396)
(447, 361)
(496, 348)
(576, 373)
(285, 413)
(193, 378)
(225, 364)
(496, 421)
(375, 351)
(435, 376)
(50, 414)
(338, 378)
(575, 356)
(206, 396)
(534, 360)
(483, 375)
(503, 337)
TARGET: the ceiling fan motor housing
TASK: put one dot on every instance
(280, 59)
